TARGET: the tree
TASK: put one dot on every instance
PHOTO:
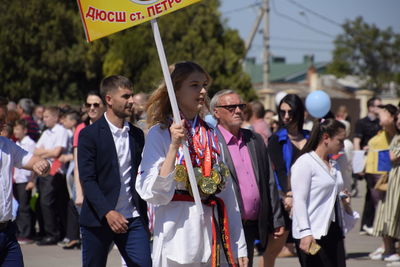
(368, 52)
(43, 54)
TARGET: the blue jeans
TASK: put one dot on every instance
(10, 251)
(134, 245)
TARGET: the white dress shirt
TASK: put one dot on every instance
(315, 190)
(52, 138)
(22, 175)
(121, 141)
(181, 235)
(11, 156)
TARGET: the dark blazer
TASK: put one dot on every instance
(99, 172)
(270, 215)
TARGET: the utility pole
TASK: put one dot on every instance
(266, 45)
(253, 31)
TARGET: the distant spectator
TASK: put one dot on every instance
(12, 117)
(366, 128)
(38, 116)
(7, 131)
(70, 120)
(94, 109)
(342, 113)
(308, 121)
(387, 222)
(285, 147)
(274, 126)
(3, 108)
(24, 183)
(53, 193)
(380, 141)
(139, 117)
(269, 117)
(346, 158)
(11, 106)
(25, 108)
(257, 120)
(247, 114)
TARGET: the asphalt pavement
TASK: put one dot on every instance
(357, 247)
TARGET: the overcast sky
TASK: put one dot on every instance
(299, 27)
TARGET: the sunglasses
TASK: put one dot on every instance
(232, 108)
(95, 105)
(282, 113)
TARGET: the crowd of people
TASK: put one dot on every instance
(114, 171)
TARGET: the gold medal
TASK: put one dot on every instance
(181, 174)
(207, 185)
(224, 170)
(215, 176)
(197, 174)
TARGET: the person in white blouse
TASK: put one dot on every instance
(181, 236)
(318, 217)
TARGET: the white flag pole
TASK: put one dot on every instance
(175, 111)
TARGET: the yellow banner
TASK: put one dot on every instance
(104, 17)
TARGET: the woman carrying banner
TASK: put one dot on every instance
(182, 237)
(318, 219)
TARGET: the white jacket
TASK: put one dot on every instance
(180, 234)
(315, 189)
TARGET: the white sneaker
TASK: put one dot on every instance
(379, 250)
(368, 230)
(393, 257)
(376, 257)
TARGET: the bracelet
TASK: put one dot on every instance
(289, 196)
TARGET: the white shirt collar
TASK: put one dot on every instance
(114, 129)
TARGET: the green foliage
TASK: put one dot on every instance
(367, 51)
(43, 54)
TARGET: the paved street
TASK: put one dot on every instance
(357, 246)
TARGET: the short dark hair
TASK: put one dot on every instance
(389, 108)
(112, 83)
(21, 122)
(258, 109)
(371, 101)
(53, 110)
(73, 114)
(297, 106)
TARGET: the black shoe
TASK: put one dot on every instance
(47, 241)
(73, 244)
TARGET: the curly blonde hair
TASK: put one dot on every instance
(158, 107)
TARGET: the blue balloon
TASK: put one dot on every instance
(318, 103)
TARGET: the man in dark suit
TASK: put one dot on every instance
(247, 159)
(109, 154)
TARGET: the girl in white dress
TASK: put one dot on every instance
(181, 236)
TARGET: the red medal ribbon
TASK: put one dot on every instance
(215, 202)
(200, 146)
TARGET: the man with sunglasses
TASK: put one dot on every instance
(248, 162)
